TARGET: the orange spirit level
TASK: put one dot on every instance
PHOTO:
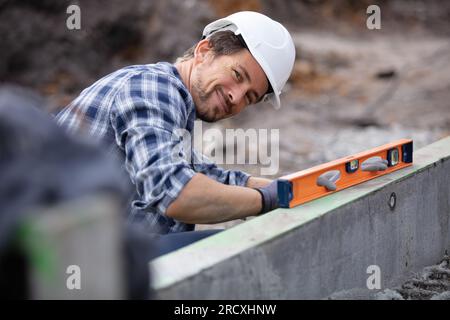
(325, 179)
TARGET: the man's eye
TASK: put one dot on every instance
(237, 74)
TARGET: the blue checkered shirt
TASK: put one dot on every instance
(135, 112)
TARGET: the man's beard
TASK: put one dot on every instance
(204, 96)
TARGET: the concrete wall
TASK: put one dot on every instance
(326, 245)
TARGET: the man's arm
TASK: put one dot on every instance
(204, 200)
(203, 164)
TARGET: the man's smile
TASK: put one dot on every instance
(224, 103)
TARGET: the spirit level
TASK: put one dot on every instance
(307, 185)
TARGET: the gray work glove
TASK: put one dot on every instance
(269, 195)
(374, 164)
(328, 179)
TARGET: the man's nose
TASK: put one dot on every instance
(236, 95)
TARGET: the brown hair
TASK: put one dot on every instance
(221, 42)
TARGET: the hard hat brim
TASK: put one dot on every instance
(273, 99)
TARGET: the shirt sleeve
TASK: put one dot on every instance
(146, 112)
(204, 165)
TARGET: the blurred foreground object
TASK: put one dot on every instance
(43, 171)
(74, 250)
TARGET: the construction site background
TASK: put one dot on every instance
(352, 88)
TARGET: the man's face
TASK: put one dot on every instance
(223, 86)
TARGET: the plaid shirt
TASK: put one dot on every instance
(135, 111)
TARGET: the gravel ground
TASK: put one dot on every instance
(432, 283)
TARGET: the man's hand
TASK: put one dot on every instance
(269, 196)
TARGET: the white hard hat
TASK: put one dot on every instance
(269, 43)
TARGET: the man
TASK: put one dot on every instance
(241, 60)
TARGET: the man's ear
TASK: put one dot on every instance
(202, 51)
